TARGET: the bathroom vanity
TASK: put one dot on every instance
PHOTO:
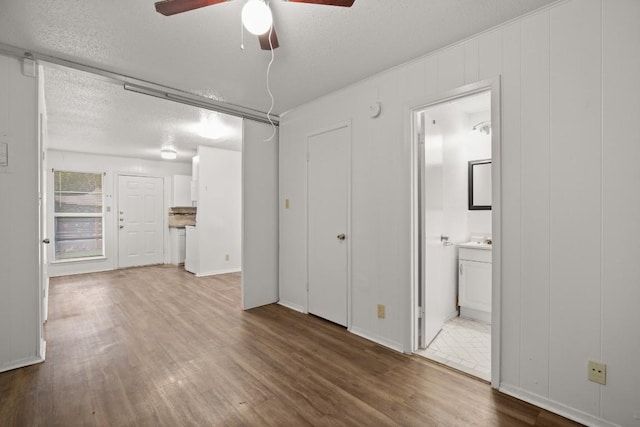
(474, 279)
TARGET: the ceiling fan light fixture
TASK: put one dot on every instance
(256, 17)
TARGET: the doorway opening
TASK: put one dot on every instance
(138, 149)
(455, 139)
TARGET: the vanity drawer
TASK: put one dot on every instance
(479, 255)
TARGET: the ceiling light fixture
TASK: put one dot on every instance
(483, 127)
(168, 152)
(257, 17)
(210, 126)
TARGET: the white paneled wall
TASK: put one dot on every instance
(534, 205)
(20, 328)
(575, 202)
(570, 203)
(620, 246)
(511, 203)
(259, 215)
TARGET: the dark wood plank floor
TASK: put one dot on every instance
(158, 346)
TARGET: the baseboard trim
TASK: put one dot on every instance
(393, 345)
(292, 306)
(471, 313)
(34, 360)
(216, 272)
(555, 407)
(452, 316)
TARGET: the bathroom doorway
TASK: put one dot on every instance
(454, 223)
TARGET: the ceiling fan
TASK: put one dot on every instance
(254, 10)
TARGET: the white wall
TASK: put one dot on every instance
(478, 148)
(259, 215)
(112, 166)
(20, 327)
(459, 146)
(219, 217)
(570, 206)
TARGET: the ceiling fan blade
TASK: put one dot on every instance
(171, 7)
(264, 40)
(343, 3)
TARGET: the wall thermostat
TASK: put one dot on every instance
(375, 109)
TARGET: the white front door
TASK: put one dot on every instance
(327, 180)
(140, 221)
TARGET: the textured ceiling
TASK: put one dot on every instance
(322, 48)
(90, 115)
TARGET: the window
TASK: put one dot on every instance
(78, 216)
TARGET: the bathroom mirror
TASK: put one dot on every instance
(480, 185)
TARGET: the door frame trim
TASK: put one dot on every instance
(165, 229)
(411, 108)
(339, 125)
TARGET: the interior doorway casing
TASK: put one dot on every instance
(411, 136)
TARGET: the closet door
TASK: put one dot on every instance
(328, 180)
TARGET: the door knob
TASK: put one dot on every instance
(444, 238)
(46, 241)
(341, 236)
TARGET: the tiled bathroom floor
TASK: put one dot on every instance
(463, 344)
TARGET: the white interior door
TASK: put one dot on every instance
(140, 221)
(42, 220)
(327, 180)
(259, 215)
(433, 285)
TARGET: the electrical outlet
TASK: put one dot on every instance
(597, 372)
(381, 311)
(226, 257)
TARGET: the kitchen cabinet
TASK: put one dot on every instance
(178, 245)
(181, 190)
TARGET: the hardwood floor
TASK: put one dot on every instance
(158, 346)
